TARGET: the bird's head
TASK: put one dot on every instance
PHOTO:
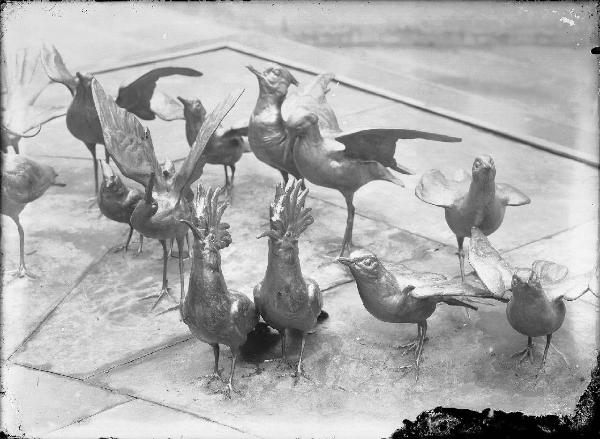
(363, 263)
(288, 220)
(483, 168)
(168, 169)
(274, 80)
(193, 108)
(84, 82)
(299, 122)
(110, 180)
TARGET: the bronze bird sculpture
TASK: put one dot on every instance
(225, 147)
(212, 312)
(267, 133)
(470, 201)
(117, 201)
(23, 80)
(406, 296)
(164, 204)
(285, 298)
(23, 181)
(346, 161)
(536, 307)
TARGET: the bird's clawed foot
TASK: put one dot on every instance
(165, 292)
(300, 373)
(412, 346)
(216, 375)
(21, 272)
(230, 390)
(525, 354)
(119, 248)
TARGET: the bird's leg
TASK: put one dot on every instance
(548, 338)
(106, 155)
(283, 362)
(561, 354)
(230, 389)
(92, 148)
(126, 246)
(139, 252)
(299, 371)
(216, 375)
(226, 177)
(526, 353)
(285, 176)
(165, 289)
(413, 344)
(22, 271)
(171, 247)
(419, 352)
(347, 242)
(181, 281)
(180, 251)
(230, 189)
(461, 256)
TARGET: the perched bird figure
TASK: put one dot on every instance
(346, 161)
(23, 181)
(285, 298)
(536, 307)
(164, 204)
(225, 147)
(214, 314)
(406, 296)
(23, 80)
(267, 133)
(470, 201)
(117, 201)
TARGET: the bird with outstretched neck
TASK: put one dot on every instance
(346, 161)
(23, 180)
(225, 147)
(164, 203)
(405, 296)
(470, 200)
(212, 312)
(285, 298)
(267, 133)
(536, 306)
(118, 201)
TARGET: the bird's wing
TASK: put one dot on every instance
(311, 97)
(434, 188)
(23, 179)
(56, 69)
(511, 195)
(549, 273)
(495, 273)
(407, 276)
(190, 171)
(128, 143)
(379, 144)
(573, 288)
(165, 107)
(471, 287)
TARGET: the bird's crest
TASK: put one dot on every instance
(208, 216)
(287, 213)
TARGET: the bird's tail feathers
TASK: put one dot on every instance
(455, 302)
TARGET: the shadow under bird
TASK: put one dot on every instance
(225, 147)
(23, 80)
(82, 117)
(23, 180)
(212, 312)
(348, 160)
(118, 201)
(285, 298)
(267, 133)
(401, 295)
(470, 200)
(536, 307)
(164, 204)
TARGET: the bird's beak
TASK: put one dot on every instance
(253, 70)
(59, 184)
(185, 102)
(192, 228)
(149, 188)
(268, 233)
(345, 261)
(293, 80)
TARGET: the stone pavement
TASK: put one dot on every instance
(83, 357)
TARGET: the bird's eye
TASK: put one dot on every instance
(277, 72)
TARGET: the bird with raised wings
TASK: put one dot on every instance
(470, 200)
(267, 133)
(23, 80)
(346, 161)
(212, 312)
(285, 298)
(164, 204)
(536, 306)
(23, 180)
(406, 296)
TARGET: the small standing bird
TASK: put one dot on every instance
(536, 307)
(117, 201)
(267, 133)
(225, 147)
(23, 80)
(406, 296)
(164, 204)
(214, 314)
(23, 181)
(346, 161)
(476, 201)
(285, 298)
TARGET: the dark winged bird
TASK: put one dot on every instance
(470, 201)
(536, 306)
(267, 133)
(406, 296)
(225, 147)
(285, 298)
(82, 118)
(23, 80)
(214, 314)
(164, 204)
(23, 181)
(118, 201)
(346, 161)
